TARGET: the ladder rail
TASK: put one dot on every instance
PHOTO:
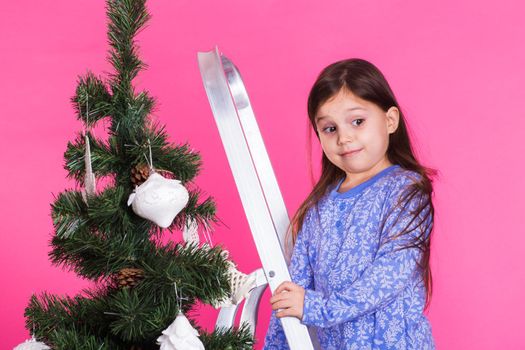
(261, 199)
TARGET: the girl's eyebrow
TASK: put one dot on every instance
(348, 109)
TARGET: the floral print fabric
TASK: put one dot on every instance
(362, 291)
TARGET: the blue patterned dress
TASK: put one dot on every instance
(361, 292)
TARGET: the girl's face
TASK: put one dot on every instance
(354, 135)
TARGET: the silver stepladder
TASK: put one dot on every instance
(258, 189)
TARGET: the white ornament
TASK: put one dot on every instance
(32, 344)
(89, 177)
(180, 335)
(241, 284)
(159, 199)
(191, 233)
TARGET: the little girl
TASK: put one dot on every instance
(360, 264)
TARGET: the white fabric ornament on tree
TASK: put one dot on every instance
(190, 234)
(32, 344)
(180, 335)
(159, 199)
(241, 284)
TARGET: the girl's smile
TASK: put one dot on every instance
(350, 153)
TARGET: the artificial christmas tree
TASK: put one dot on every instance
(101, 238)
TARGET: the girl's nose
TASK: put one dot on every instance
(344, 137)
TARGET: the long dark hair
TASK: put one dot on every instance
(364, 80)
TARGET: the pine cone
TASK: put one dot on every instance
(139, 174)
(129, 277)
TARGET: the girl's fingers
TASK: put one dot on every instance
(277, 297)
(286, 312)
(283, 297)
(286, 285)
(287, 299)
(282, 304)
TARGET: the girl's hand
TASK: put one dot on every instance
(289, 297)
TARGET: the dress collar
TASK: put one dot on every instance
(359, 188)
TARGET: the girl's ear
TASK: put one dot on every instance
(392, 119)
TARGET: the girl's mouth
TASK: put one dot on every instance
(350, 153)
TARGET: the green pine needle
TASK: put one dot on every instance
(104, 160)
(92, 100)
(228, 339)
(69, 214)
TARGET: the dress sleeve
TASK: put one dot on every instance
(301, 270)
(393, 268)
(302, 274)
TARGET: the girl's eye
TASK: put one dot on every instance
(329, 129)
(360, 121)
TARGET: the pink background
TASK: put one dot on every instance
(457, 69)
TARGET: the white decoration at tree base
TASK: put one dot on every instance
(32, 344)
(180, 335)
(159, 199)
